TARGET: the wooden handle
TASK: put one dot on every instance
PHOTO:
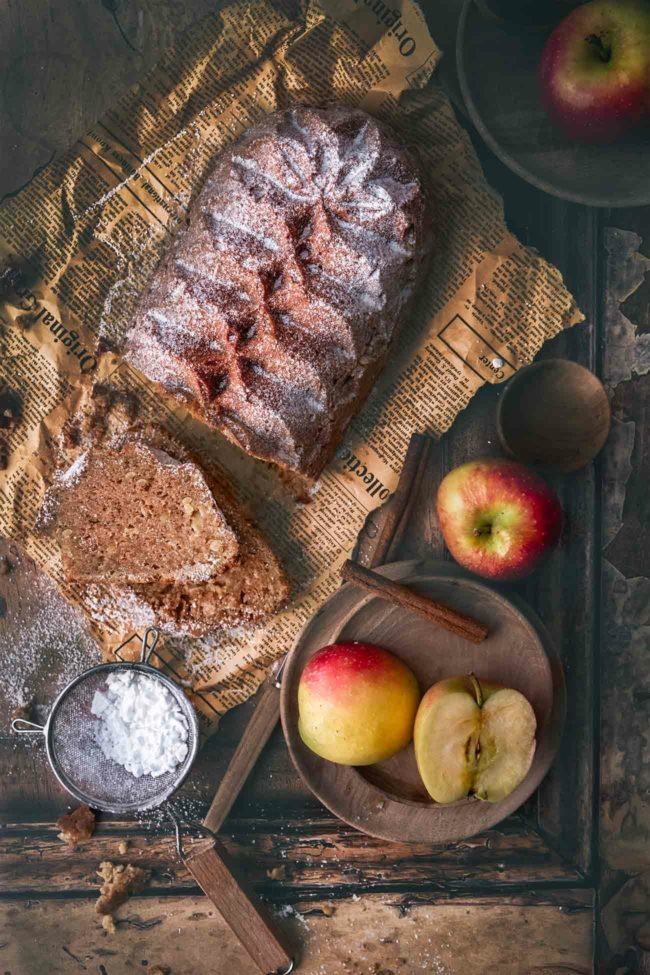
(238, 911)
(399, 509)
(444, 616)
(257, 733)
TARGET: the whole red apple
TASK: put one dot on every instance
(595, 69)
(498, 517)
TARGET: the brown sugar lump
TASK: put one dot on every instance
(273, 312)
(119, 882)
(76, 826)
(134, 514)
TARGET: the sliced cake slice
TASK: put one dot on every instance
(247, 593)
(133, 514)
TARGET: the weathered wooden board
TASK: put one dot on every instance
(287, 858)
(370, 935)
(62, 65)
(625, 673)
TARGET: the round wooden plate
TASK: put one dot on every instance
(497, 61)
(388, 799)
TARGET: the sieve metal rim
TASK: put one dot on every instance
(179, 696)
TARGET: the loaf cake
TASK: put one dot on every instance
(272, 313)
(135, 514)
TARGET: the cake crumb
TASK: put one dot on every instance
(11, 409)
(123, 847)
(277, 873)
(120, 882)
(76, 826)
(108, 923)
(23, 712)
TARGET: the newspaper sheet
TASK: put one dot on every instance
(78, 244)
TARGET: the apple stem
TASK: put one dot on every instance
(478, 690)
(483, 530)
(603, 51)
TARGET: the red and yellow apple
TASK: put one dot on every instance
(356, 703)
(595, 69)
(473, 738)
(498, 517)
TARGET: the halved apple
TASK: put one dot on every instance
(474, 738)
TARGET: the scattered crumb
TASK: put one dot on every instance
(108, 923)
(23, 711)
(120, 882)
(11, 409)
(328, 910)
(123, 847)
(76, 826)
(277, 873)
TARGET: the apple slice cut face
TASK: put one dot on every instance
(445, 747)
(473, 740)
(507, 744)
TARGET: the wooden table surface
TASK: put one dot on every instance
(555, 887)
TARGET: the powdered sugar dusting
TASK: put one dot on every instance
(49, 644)
(73, 474)
(301, 255)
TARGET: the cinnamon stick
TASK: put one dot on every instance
(399, 595)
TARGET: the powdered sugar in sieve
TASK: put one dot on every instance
(83, 761)
(139, 724)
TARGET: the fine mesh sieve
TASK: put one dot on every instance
(81, 767)
(78, 761)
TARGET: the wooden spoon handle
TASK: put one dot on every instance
(255, 736)
(238, 911)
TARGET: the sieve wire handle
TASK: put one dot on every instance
(147, 650)
(22, 726)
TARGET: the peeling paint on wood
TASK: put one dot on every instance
(617, 468)
(625, 669)
(626, 352)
